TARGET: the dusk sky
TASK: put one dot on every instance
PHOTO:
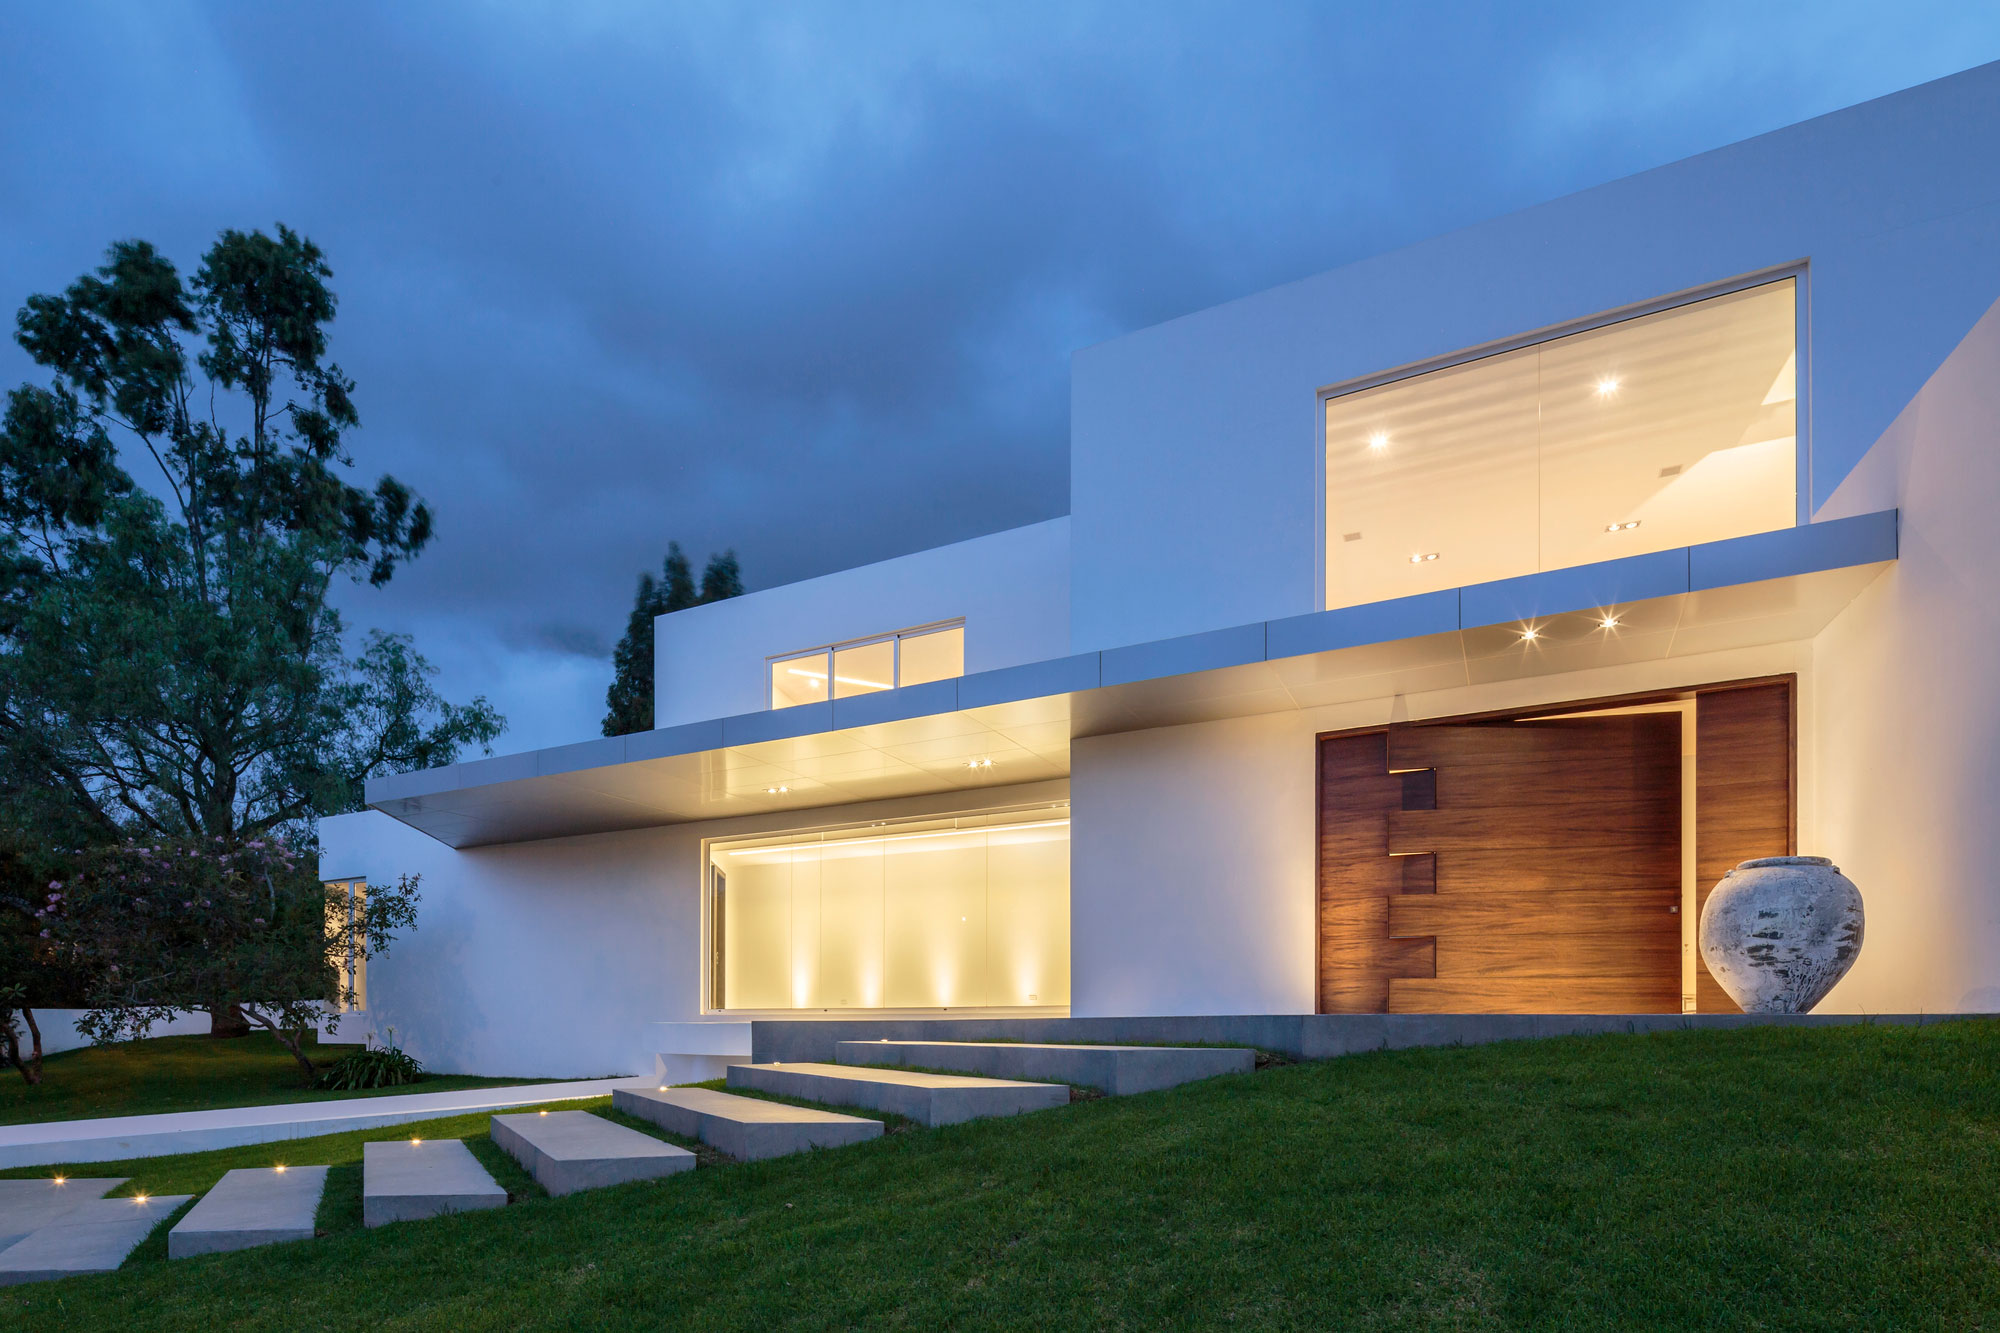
(804, 280)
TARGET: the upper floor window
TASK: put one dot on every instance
(1650, 433)
(863, 666)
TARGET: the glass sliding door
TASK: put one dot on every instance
(970, 911)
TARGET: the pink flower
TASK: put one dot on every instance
(55, 884)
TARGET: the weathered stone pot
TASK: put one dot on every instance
(1780, 931)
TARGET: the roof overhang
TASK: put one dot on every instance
(1775, 587)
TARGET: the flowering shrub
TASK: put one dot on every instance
(160, 926)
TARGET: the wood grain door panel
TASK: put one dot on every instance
(1744, 800)
(1549, 865)
(1503, 996)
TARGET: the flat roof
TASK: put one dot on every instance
(1773, 587)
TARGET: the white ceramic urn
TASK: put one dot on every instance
(1780, 931)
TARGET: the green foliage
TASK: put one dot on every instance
(186, 1073)
(377, 1067)
(1773, 1178)
(629, 701)
(160, 927)
(170, 665)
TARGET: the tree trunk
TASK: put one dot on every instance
(293, 1040)
(34, 1066)
(227, 1020)
(10, 1045)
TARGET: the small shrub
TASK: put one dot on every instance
(382, 1067)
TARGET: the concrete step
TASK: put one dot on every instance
(567, 1151)
(1118, 1070)
(928, 1099)
(93, 1237)
(29, 1205)
(250, 1206)
(747, 1128)
(407, 1179)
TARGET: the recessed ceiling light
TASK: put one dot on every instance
(1626, 526)
(1609, 622)
(1607, 385)
(1530, 634)
(776, 791)
(1379, 440)
(1420, 559)
(979, 763)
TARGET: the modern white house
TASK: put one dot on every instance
(1426, 636)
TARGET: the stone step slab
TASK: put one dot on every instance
(94, 1237)
(1118, 1070)
(928, 1099)
(250, 1206)
(749, 1129)
(567, 1151)
(26, 1206)
(405, 1180)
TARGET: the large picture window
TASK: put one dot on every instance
(1651, 433)
(863, 666)
(964, 912)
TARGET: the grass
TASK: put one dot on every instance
(196, 1073)
(1829, 1178)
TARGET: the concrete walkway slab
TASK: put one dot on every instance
(928, 1099)
(250, 1206)
(749, 1129)
(1118, 1070)
(405, 1180)
(567, 1151)
(29, 1205)
(116, 1138)
(94, 1237)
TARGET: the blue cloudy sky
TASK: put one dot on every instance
(804, 279)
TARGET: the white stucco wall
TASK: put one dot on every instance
(1909, 723)
(1195, 444)
(557, 958)
(1192, 863)
(1012, 588)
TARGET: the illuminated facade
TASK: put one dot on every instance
(1424, 636)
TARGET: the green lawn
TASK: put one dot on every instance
(183, 1074)
(1767, 1178)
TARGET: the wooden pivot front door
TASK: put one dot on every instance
(1503, 867)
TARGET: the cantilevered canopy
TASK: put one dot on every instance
(999, 728)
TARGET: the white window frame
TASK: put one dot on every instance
(825, 653)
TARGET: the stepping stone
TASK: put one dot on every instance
(94, 1237)
(252, 1205)
(747, 1128)
(928, 1099)
(1118, 1070)
(29, 1205)
(402, 1181)
(567, 1151)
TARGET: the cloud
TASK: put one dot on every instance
(802, 281)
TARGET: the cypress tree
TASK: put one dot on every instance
(629, 701)
(722, 578)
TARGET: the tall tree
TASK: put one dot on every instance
(170, 662)
(629, 702)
